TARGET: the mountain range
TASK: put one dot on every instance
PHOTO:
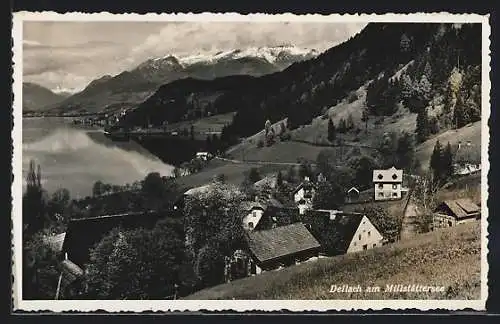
(36, 97)
(388, 70)
(130, 88)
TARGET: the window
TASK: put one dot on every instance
(374, 244)
(394, 176)
(369, 233)
(365, 247)
(380, 176)
(359, 236)
(381, 194)
(254, 213)
(394, 194)
(380, 186)
(250, 225)
(394, 186)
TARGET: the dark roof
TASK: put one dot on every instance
(83, 234)
(281, 241)
(459, 208)
(70, 272)
(249, 205)
(306, 184)
(344, 227)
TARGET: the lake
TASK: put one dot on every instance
(75, 158)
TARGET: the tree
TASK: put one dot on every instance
(364, 118)
(254, 175)
(331, 130)
(177, 172)
(291, 174)
(423, 127)
(447, 162)
(137, 264)
(305, 169)
(282, 128)
(158, 192)
(34, 203)
(363, 167)
(97, 189)
(279, 179)
(460, 115)
(405, 151)
(213, 218)
(328, 196)
(404, 44)
(221, 177)
(191, 132)
(267, 126)
(40, 269)
(436, 161)
(350, 122)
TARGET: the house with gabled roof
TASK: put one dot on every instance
(281, 246)
(388, 184)
(303, 195)
(453, 212)
(342, 232)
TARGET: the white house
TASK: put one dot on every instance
(356, 232)
(388, 183)
(203, 156)
(303, 195)
(254, 212)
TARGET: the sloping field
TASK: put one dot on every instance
(471, 133)
(448, 258)
(234, 173)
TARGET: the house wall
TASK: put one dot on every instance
(253, 217)
(369, 235)
(443, 220)
(384, 191)
(299, 195)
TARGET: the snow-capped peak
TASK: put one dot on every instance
(270, 54)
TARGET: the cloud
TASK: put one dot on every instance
(193, 37)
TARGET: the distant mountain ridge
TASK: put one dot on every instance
(36, 97)
(130, 88)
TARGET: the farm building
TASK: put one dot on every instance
(281, 246)
(453, 212)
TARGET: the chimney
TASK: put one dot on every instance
(459, 145)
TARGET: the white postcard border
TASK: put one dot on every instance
(239, 305)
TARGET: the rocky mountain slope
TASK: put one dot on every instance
(36, 97)
(129, 88)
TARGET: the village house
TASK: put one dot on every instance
(453, 212)
(83, 234)
(466, 159)
(253, 214)
(352, 195)
(281, 246)
(341, 232)
(303, 195)
(205, 156)
(355, 232)
(388, 184)
(263, 214)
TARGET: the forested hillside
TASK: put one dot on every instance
(429, 69)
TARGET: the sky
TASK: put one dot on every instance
(66, 56)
